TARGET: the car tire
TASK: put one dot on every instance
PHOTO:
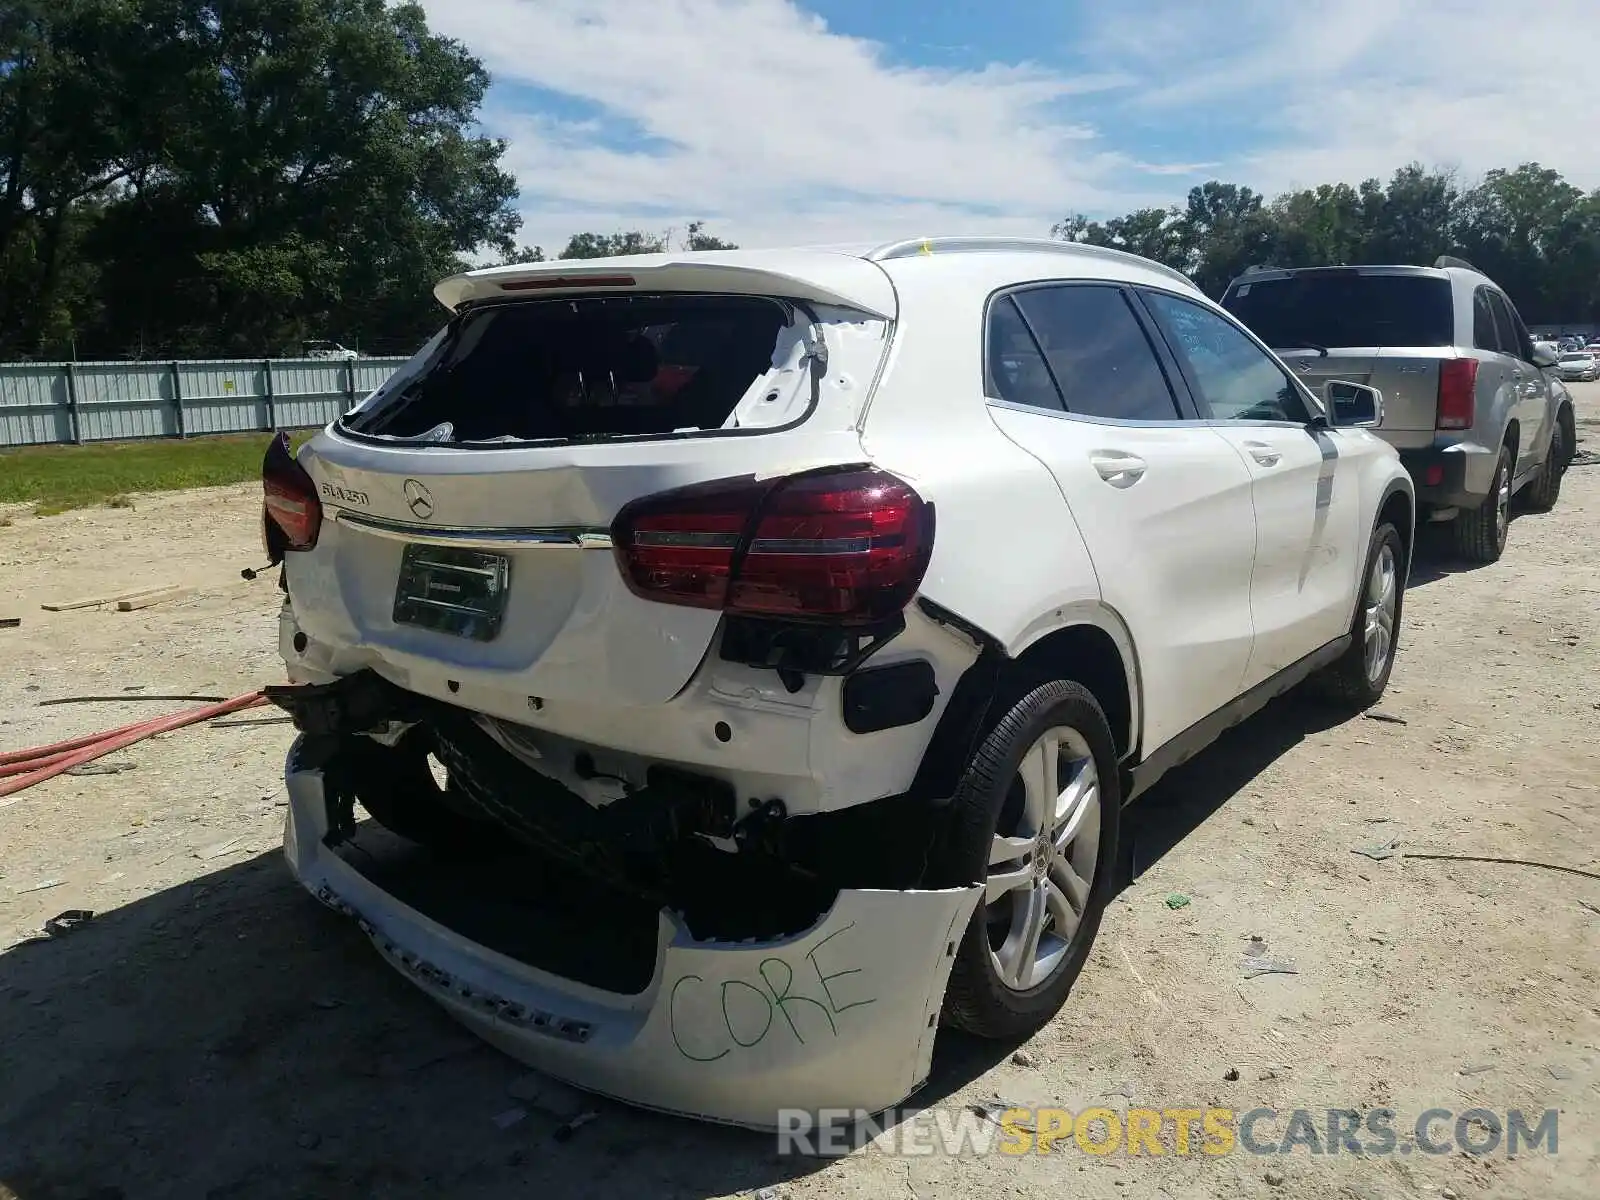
(1546, 489)
(1481, 532)
(1358, 677)
(1018, 958)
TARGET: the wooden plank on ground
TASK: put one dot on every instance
(10, 622)
(131, 603)
(96, 601)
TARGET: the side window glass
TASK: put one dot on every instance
(1017, 373)
(1484, 334)
(1521, 338)
(1506, 343)
(1237, 379)
(1098, 353)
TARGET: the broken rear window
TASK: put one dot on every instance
(592, 368)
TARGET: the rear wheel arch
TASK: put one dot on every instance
(1512, 438)
(1567, 420)
(1098, 656)
(1544, 492)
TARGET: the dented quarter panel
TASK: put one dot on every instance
(843, 1015)
(926, 414)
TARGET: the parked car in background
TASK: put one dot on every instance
(1469, 401)
(745, 656)
(1578, 366)
(321, 349)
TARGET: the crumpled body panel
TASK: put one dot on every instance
(842, 1016)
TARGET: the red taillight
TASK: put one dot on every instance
(680, 546)
(1458, 385)
(292, 507)
(848, 546)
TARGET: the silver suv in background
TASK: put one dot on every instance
(1476, 410)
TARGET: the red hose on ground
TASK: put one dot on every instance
(46, 762)
(18, 756)
(33, 764)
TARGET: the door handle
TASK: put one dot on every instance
(1118, 469)
(1263, 453)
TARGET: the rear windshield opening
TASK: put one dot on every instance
(1346, 309)
(592, 367)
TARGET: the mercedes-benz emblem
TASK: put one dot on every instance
(418, 499)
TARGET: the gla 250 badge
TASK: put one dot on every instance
(347, 495)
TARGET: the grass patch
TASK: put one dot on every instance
(58, 478)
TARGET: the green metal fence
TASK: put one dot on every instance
(52, 403)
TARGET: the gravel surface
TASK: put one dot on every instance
(214, 1032)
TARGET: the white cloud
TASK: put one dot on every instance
(755, 116)
(1350, 89)
(773, 127)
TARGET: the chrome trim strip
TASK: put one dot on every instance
(1122, 423)
(527, 538)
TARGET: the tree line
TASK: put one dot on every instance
(1530, 230)
(193, 178)
(190, 178)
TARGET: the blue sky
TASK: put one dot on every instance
(781, 121)
(1061, 36)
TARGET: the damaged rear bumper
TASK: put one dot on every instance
(840, 1016)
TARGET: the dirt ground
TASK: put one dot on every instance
(214, 1032)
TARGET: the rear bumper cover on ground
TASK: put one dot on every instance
(842, 1016)
(1454, 476)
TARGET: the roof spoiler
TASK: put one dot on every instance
(1252, 269)
(817, 277)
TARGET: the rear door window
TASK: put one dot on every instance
(1097, 352)
(1342, 307)
(1518, 342)
(592, 368)
(1017, 370)
(1485, 334)
(1506, 337)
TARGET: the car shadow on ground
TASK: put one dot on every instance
(230, 1038)
(1184, 798)
(1436, 557)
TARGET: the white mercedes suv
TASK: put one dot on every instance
(715, 671)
